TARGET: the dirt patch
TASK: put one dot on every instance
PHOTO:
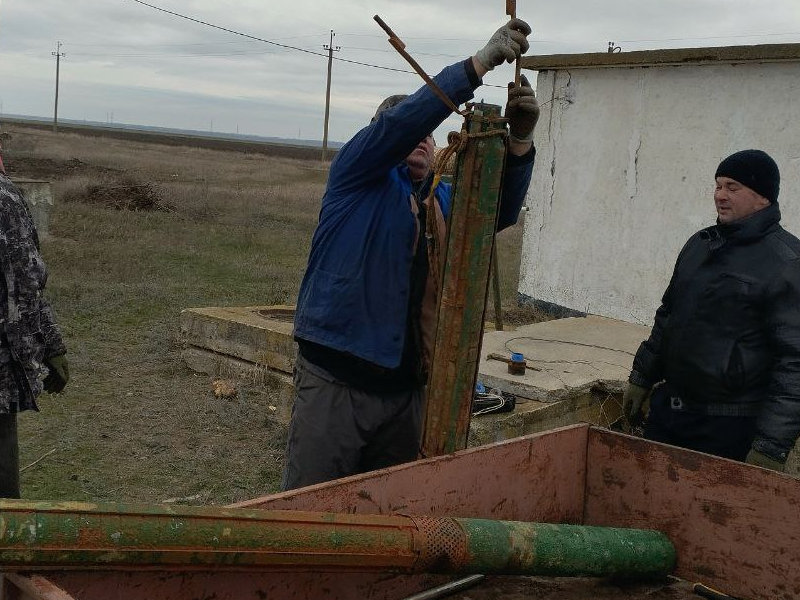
(524, 314)
(51, 169)
(124, 196)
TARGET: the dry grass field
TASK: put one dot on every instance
(210, 228)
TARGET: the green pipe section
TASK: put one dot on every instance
(515, 548)
(110, 536)
(464, 282)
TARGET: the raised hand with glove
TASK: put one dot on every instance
(508, 42)
(57, 378)
(522, 112)
(505, 45)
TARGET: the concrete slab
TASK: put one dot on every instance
(566, 357)
(583, 364)
(261, 335)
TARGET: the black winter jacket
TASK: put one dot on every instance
(727, 334)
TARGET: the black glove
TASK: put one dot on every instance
(632, 401)
(58, 376)
(754, 457)
(522, 111)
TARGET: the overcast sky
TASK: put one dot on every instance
(151, 68)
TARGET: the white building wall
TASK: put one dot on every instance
(624, 173)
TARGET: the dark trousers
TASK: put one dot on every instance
(9, 456)
(337, 430)
(728, 437)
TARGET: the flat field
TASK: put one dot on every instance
(139, 231)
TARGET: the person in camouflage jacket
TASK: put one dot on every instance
(31, 350)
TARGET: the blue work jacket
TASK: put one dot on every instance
(355, 293)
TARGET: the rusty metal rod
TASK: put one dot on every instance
(398, 45)
(511, 11)
(73, 535)
(447, 589)
(498, 305)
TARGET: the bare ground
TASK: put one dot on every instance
(135, 424)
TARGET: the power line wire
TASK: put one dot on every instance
(274, 43)
(174, 54)
(293, 37)
(266, 41)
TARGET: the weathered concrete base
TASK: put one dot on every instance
(261, 335)
(566, 357)
(598, 406)
(577, 380)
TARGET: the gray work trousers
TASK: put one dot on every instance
(337, 430)
(9, 456)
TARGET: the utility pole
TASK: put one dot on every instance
(58, 54)
(331, 49)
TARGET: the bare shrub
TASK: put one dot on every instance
(127, 194)
(73, 189)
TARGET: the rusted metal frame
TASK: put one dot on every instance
(19, 586)
(398, 45)
(36, 535)
(465, 283)
(447, 589)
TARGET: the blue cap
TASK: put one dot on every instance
(517, 357)
(479, 387)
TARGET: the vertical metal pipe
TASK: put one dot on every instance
(498, 304)
(465, 282)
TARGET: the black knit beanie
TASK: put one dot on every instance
(755, 169)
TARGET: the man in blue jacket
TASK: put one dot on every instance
(366, 307)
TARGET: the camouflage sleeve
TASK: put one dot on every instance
(54, 344)
(18, 234)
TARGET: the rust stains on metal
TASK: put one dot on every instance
(734, 526)
(224, 539)
(465, 282)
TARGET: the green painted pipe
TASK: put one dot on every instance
(464, 282)
(515, 548)
(110, 536)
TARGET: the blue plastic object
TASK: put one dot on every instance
(517, 356)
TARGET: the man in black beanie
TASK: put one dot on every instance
(724, 352)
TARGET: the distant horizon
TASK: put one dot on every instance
(192, 132)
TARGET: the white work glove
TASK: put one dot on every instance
(505, 45)
(522, 111)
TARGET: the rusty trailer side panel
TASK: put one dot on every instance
(735, 527)
(535, 478)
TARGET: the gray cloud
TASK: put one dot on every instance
(153, 68)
